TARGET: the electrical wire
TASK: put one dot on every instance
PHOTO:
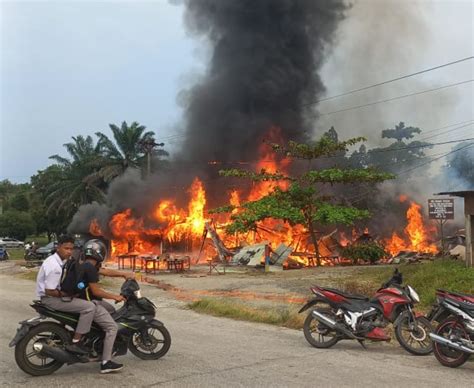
(394, 98)
(388, 81)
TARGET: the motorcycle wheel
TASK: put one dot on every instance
(317, 333)
(415, 340)
(28, 359)
(155, 345)
(444, 354)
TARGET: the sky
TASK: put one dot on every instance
(72, 67)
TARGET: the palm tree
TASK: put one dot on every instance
(78, 183)
(127, 150)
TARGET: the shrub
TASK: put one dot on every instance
(370, 251)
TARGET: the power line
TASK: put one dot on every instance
(447, 126)
(389, 81)
(254, 161)
(395, 98)
(362, 195)
(435, 159)
(445, 132)
(173, 138)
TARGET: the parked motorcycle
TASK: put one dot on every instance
(454, 336)
(350, 316)
(31, 255)
(4, 253)
(40, 342)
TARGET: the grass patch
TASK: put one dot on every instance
(282, 316)
(424, 278)
(16, 253)
(29, 275)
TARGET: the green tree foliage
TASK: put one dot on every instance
(20, 202)
(368, 251)
(303, 201)
(400, 132)
(76, 182)
(16, 224)
(52, 222)
(14, 196)
(126, 150)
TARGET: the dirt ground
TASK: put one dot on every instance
(252, 285)
(248, 285)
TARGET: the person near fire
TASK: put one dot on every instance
(91, 268)
(48, 290)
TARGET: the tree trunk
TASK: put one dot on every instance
(315, 242)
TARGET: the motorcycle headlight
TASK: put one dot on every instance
(413, 295)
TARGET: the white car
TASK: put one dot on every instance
(11, 242)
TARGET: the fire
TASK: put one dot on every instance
(343, 240)
(271, 163)
(94, 228)
(196, 207)
(395, 244)
(234, 200)
(415, 231)
(145, 234)
(168, 222)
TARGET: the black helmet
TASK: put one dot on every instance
(96, 250)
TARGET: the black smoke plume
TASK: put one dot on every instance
(263, 72)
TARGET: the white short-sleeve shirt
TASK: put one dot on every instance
(49, 275)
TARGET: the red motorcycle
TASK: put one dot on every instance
(360, 318)
(454, 336)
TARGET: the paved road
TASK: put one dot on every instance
(216, 352)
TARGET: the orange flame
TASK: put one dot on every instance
(94, 228)
(235, 200)
(196, 208)
(271, 163)
(416, 233)
(170, 223)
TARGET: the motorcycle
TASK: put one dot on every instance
(454, 336)
(356, 317)
(40, 342)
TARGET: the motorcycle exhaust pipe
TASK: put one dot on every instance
(451, 344)
(55, 353)
(333, 325)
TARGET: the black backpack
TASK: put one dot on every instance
(71, 277)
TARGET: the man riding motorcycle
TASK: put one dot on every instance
(49, 291)
(88, 279)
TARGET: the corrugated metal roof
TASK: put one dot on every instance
(464, 193)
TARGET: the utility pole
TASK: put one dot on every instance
(147, 145)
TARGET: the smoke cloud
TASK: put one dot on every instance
(264, 68)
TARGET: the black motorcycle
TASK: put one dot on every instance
(40, 342)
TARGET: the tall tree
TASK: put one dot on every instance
(127, 150)
(303, 202)
(76, 180)
(52, 222)
(400, 132)
(396, 157)
(17, 224)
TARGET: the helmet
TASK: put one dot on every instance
(95, 249)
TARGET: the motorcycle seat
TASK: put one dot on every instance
(467, 297)
(346, 295)
(52, 313)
